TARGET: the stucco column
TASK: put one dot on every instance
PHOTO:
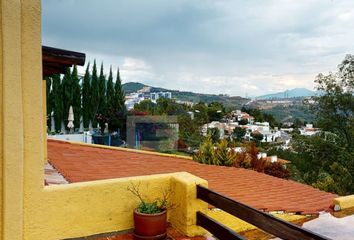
(21, 113)
(11, 120)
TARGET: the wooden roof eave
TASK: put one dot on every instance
(56, 61)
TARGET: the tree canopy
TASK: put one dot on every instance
(334, 108)
(326, 160)
(91, 96)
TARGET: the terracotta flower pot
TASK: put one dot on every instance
(150, 226)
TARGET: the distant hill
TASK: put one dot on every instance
(228, 101)
(131, 87)
(292, 93)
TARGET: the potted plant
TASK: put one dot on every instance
(150, 216)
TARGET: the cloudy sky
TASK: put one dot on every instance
(233, 47)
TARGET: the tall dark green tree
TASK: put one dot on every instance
(67, 91)
(119, 92)
(118, 121)
(57, 102)
(76, 97)
(86, 98)
(110, 91)
(49, 100)
(94, 94)
(102, 92)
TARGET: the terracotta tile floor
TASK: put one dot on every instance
(52, 177)
(171, 232)
(78, 163)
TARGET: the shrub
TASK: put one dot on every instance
(155, 206)
(277, 170)
(256, 164)
(242, 160)
(205, 153)
(224, 155)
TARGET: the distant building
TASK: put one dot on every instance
(288, 124)
(154, 96)
(188, 103)
(238, 116)
(152, 132)
(309, 130)
(132, 99)
(144, 94)
(272, 159)
(233, 120)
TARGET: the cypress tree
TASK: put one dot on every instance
(57, 102)
(49, 100)
(102, 92)
(110, 91)
(119, 122)
(94, 94)
(119, 93)
(76, 96)
(67, 88)
(86, 98)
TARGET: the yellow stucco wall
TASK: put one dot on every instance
(344, 202)
(83, 209)
(11, 120)
(88, 208)
(30, 210)
(185, 193)
(1, 124)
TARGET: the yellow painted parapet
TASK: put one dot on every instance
(185, 197)
(343, 202)
(87, 208)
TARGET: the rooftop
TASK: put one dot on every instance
(79, 163)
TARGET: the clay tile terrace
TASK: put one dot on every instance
(286, 199)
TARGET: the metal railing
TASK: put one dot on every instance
(261, 220)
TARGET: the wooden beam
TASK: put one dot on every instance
(60, 56)
(53, 69)
(56, 61)
(262, 220)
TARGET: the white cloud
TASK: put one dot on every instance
(233, 47)
(136, 70)
(133, 64)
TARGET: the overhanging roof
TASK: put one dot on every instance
(55, 60)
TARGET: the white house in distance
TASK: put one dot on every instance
(144, 94)
(269, 135)
(309, 130)
(154, 96)
(233, 121)
(238, 115)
